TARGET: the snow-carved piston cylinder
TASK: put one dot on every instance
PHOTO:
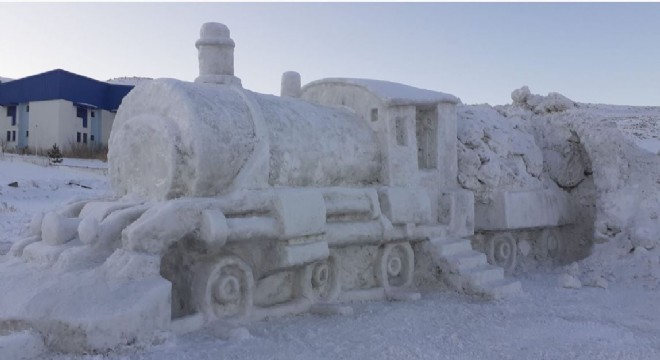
(172, 139)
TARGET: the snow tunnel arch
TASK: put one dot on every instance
(568, 164)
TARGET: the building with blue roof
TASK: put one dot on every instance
(58, 107)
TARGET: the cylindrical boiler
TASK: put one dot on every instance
(172, 139)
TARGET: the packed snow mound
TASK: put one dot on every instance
(602, 155)
(129, 80)
(565, 159)
(539, 104)
(4, 79)
(495, 153)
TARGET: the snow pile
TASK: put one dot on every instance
(605, 156)
(590, 151)
(495, 153)
(553, 102)
(129, 80)
(637, 123)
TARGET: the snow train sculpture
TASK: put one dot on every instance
(238, 205)
(303, 203)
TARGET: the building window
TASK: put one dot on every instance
(81, 112)
(27, 133)
(93, 114)
(8, 135)
(27, 108)
(84, 138)
(78, 137)
(13, 135)
(11, 112)
(91, 138)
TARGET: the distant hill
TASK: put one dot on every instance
(126, 80)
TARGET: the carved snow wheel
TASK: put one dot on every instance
(552, 242)
(224, 288)
(319, 281)
(396, 265)
(503, 252)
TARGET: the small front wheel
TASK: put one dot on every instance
(554, 248)
(224, 288)
(503, 252)
(319, 281)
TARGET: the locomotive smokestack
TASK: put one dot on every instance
(216, 55)
(290, 84)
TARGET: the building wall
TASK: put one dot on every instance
(53, 119)
(98, 126)
(69, 124)
(43, 127)
(23, 122)
(106, 126)
(56, 122)
(6, 125)
(53, 122)
(96, 118)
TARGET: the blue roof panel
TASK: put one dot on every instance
(61, 84)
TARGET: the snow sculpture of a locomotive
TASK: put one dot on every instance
(238, 205)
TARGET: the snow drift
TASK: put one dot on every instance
(605, 157)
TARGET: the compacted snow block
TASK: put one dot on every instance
(526, 209)
(236, 206)
(520, 214)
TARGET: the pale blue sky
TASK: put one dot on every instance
(605, 53)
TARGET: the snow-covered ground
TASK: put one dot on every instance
(639, 123)
(547, 322)
(41, 188)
